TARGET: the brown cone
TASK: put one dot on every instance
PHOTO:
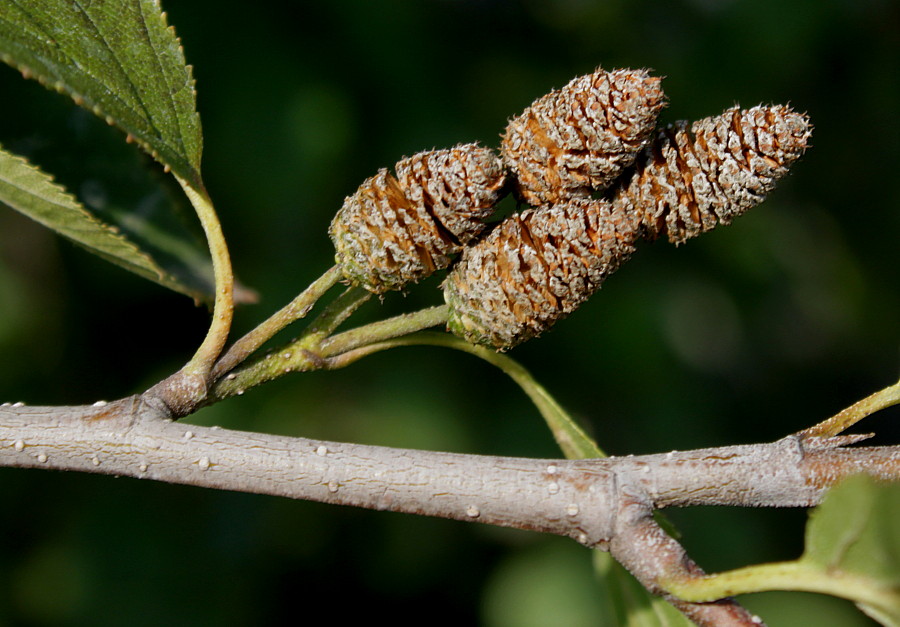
(579, 138)
(534, 268)
(689, 180)
(397, 230)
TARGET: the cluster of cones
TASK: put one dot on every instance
(597, 176)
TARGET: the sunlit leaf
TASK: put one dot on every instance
(117, 58)
(33, 193)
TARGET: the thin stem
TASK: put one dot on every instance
(312, 350)
(223, 308)
(293, 311)
(572, 439)
(384, 330)
(186, 389)
(337, 312)
(784, 576)
(848, 417)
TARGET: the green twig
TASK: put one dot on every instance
(848, 417)
(336, 313)
(293, 311)
(384, 330)
(311, 350)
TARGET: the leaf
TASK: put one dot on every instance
(117, 58)
(34, 193)
(854, 535)
(852, 551)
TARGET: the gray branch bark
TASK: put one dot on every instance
(602, 503)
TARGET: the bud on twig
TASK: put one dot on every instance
(534, 268)
(579, 138)
(689, 180)
(396, 230)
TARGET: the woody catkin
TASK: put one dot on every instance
(693, 177)
(534, 268)
(577, 139)
(399, 229)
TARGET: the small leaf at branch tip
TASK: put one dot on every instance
(42, 458)
(322, 451)
(19, 446)
(472, 511)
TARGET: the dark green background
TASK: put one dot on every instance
(743, 335)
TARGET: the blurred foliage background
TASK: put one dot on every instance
(742, 335)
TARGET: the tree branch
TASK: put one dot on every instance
(605, 503)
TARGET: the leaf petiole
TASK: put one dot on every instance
(201, 364)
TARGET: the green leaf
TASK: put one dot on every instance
(33, 193)
(117, 58)
(854, 536)
(852, 551)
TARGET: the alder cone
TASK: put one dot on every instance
(397, 230)
(689, 179)
(578, 139)
(534, 268)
